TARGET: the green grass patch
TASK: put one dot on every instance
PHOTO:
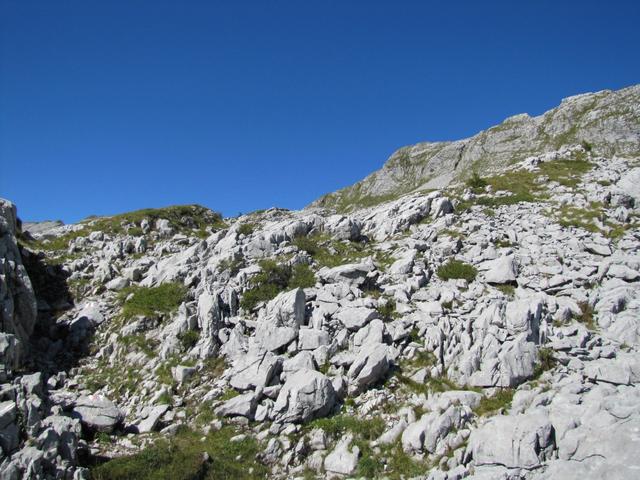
(476, 183)
(569, 216)
(524, 186)
(139, 342)
(338, 425)
(274, 278)
(586, 218)
(212, 368)
(260, 293)
(351, 199)
(503, 243)
(266, 285)
(188, 339)
(328, 252)
(302, 277)
(150, 301)
(506, 289)
(163, 371)
(432, 384)
(118, 379)
(447, 232)
(455, 269)
(521, 183)
(391, 463)
(246, 228)
(233, 265)
(228, 395)
(79, 286)
(182, 458)
(422, 359)
(501, 400)
(165, 399)
(182, 218)
(566, 172)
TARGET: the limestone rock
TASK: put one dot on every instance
(342, 460)
(501, 270)
(242, 405)
(150, 423)
(18, 307)
(355, 318)
(522, 441)
(306, 394)
(351, 274)
(98, 413)
(370, 365)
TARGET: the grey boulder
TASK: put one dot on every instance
(354, 318)
(342, 460)
(306, 395)
(501, 270)
(243, 405)
(520, 441)
(98, 413)
(369, 366)
(354, 274)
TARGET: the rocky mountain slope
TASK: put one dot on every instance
(489, 329)
(608, 121)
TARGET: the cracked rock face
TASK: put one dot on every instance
(18, 307)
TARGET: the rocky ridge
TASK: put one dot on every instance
(489, 330)
(608, 121)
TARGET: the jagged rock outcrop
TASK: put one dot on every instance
(18, 308)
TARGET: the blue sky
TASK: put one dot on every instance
(110, 106)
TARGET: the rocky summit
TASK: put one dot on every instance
(472, 310)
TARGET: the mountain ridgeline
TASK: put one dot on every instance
(608, 122)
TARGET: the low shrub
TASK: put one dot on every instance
(302, 277)
(546, 361)
(387, 309)
(272, 279)
(476, 182)
(246, 228)
(455, 269)
(188, 339)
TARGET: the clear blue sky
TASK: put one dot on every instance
(109, 106)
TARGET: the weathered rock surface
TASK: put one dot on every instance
(98, 413)
(523, 441)
(17, 300)
(306, 394)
